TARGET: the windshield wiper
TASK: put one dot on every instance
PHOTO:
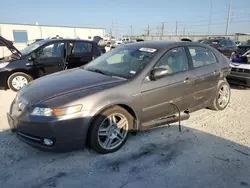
(98, 71)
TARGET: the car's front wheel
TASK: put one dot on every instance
(18, 80)
(222, 96)
(109, 130)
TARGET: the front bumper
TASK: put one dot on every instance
(241, 79)
(4, 74)
(67, 134)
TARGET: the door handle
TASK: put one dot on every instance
(187, 80)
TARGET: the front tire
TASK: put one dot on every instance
(18, 80)
(109, 130)
(222, 97)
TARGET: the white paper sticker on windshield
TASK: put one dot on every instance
(151, 50)
(132, 72)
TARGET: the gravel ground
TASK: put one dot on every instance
(211, 151)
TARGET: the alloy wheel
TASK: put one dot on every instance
(112, 131)
(223, 96)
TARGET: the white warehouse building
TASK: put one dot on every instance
(21, 34)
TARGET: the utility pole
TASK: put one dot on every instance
(111, 30)
(184, 31)
(131, 32)
(229, 16)
(116, 31)
(176, 28)
(210, 17)
(162, 29)
(147, 31)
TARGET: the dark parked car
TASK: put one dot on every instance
(42, 58)
(226, 46)
(134, 87)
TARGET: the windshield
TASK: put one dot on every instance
(123, 62)
(31, 47)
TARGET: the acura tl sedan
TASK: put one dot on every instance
(135, 87)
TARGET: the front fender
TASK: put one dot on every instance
(129, 102)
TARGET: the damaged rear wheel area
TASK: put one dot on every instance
(222, 96)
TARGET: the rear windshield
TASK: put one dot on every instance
(210, 41)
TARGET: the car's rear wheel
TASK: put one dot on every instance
(18, 80)
(109, 130)
(222, 97)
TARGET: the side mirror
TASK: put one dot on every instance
(32, 57)
(158, 73)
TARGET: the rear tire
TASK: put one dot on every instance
(18, 80)
(222, 96)
(103, 129)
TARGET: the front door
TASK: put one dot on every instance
(206, 72)
(177, 87)
(81, 54)
(51, 58)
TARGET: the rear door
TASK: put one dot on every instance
(51, 57)
(206, 72)
(81, 54)
(176, 87)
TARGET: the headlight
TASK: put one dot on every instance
(2, 65)
(38, 111)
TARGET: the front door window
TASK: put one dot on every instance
(174, 60)
(52, 50)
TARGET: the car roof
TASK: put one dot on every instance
(65, 39)
(155, 44)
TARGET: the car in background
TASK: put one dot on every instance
(226, 46)
(237, 42)
(199, 41)
(101, 43)
(134, 87)
(42, 58)
(240, 72)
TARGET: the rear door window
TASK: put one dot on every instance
(201, 56)
(82, 47)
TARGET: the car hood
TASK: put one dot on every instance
(10, 46)
(62, 83)
(240, 65)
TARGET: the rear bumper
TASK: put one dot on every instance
(239, 79)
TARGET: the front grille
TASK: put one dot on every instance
(240, 70)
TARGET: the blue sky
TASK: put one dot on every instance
(192, 15)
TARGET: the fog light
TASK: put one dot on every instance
(47, 142)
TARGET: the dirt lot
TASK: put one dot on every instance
(211, 151)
